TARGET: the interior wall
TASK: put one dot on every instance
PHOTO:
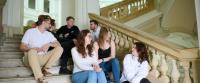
(67, 9)
(181, 17)
(1, 28)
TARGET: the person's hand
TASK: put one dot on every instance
(38, 49)
(100, 61)
(46, 47)
(66, 35)
(97, 68)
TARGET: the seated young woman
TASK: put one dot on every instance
(84, 55)
(135, 65)
(107, 55)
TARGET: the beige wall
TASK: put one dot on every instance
(181, 17)
(1, 28)
(67, 9)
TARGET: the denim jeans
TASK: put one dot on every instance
(89, 77)
(111, 66)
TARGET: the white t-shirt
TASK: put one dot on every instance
(36, 39)
(95, 34)
(82, 64)
(133, 71)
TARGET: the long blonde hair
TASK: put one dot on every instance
(102, 36)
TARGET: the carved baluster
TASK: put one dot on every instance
(110, 14)
(163, 69)
(130, 42)
(116, 40)
(186, 66)
(121, 12)
(175, 74)
(145, 3)
(154, 64)
(114, 14)
(112, 34)
(121, 42)
(117, 13)
(142, 3)
(131, 8)
(126, 11)
(126, 45)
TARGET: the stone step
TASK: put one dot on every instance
(11, 44)
(19, 72)
(51, 79)
(15, 42)
(10, 47)
(15, 72)
(11, 63)
(10, 50)
(7, 63)
(12, 39)
(11, 55)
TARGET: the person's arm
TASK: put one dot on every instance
(128, 71)
(142, 72)
(59, 32)
(76, 32)
(25, 41)
(96, 47)
(78, 61)
(53, 43)
(24, 47)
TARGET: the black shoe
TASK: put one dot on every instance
(64, 71)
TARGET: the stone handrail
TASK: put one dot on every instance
(128, 9)
(167, 60)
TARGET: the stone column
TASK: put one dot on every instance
(197, 7)
(1, 15)
(13, 17)
(82, 8)
(26, 3)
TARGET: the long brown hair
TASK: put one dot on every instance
(102, 35)
(142, 52)
(81, 44)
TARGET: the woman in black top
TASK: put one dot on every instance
(107, 59)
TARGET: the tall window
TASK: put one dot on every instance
(31, 4)
(46, 6)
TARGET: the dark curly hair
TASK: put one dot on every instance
(81, 44)
(142, 52)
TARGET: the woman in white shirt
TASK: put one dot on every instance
(135, 65)
(86, 66)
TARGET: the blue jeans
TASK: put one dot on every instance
(111, 66)
(89, 77)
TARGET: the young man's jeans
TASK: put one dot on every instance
(89, 76)
(111, 66)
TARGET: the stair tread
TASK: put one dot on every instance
(6, 63)
(20, 72)
(11, 55)
(15, 72)
(51, 79)
(16, 63)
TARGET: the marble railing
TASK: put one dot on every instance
(169, 63)
(128, 9)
